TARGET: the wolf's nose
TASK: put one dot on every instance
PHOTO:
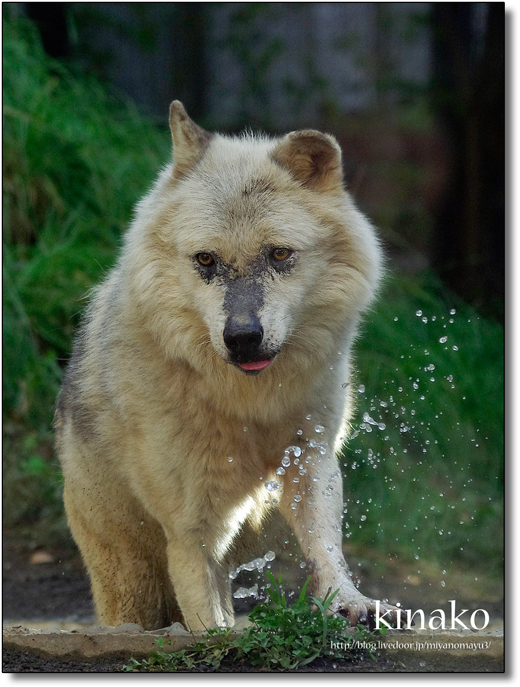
(243, 335)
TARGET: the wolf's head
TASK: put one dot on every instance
(253, 248)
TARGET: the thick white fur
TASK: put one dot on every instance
(151, 410)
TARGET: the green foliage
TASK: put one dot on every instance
(281, 637)
(210, 652)
(425, 467)
(75, 160)
(289, 636)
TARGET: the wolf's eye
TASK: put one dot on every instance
(281, 253)
(205, 259)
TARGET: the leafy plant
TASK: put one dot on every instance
(288, 637)
(209, 652)
(281, 637)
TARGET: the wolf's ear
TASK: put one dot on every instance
(189, 140)
(313, 159)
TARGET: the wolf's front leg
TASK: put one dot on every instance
(313, 506)
(201, 584)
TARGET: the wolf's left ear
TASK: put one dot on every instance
(189, 140)
(313, 159)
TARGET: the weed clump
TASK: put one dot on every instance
(281, 637)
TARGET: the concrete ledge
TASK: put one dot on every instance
(94, 642)
(426, 650)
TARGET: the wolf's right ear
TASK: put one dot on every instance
(189, 140)
(313, 159)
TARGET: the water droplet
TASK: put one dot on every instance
(286, 461)
(293, 449)
(294, 506)
(303, 564)
(455, 348)
(299, 432)
(319, 429)
(297, 498)
(308, 417)
(272, 486)
(243, 592)
(245, 429)
(452, 311)
(443, 339)
(280, 471)
(363, 518)
(361, 389)
(425, 320)
(270, 556)
(230, 460)
(419, 313)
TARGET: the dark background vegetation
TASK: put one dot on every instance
(414, 92)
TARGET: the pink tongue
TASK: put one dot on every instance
(259, 365)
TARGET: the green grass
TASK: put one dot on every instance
(427, 479)
(281, 637)
(76, 159)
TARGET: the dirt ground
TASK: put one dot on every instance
(57, 593)
(28, 662)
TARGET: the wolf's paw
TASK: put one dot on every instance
(360, 610)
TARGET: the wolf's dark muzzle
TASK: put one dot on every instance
(243, 335)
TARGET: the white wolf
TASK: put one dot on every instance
(221, 338)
